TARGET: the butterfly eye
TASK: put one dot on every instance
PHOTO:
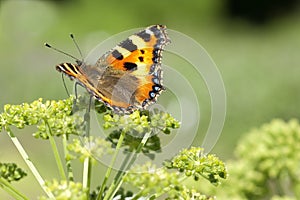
(79, 62)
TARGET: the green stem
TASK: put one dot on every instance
(68, 161)
(124, 166)
(86, 173)
(137, 195)
(11, 190)
(180, 179)
(296, 184)
(29, 163)
(119, 177)
(55, 152)
(108, 172)
(87, 165)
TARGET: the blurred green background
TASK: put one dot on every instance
(255, 44)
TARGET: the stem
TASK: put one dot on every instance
(108, 172)
(68, 162)
(180, 179)
(11, 190)
(119, 177)
(295, 184)
(30, 165)
(137, 195)
(86, 179)
(123, 166)
(55, 152)
(87, 166)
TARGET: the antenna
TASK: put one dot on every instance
(76, 44)
(60, 51)
(67, 54)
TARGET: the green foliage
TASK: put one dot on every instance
(63, 190)
(276, 152)
(11, 172)
(193, 162)
(138, 132)
(267, 164)
(88, 147)
(53, 115)
(158, 181)
(121, 194)
(131, 143)
(136, 126)
(282, 198)
(141, 122)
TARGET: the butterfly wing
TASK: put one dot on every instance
(127, 77)
(132, 75)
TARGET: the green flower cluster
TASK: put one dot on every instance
(136, 125)
(88, 147)
(276, 152)
(51, 115)
(142, 122)
(272, 154)
(282, 198)
(137, 132)
(154, 182)
(65, 190)
(193, 162)
(11, 172)
(267, 164)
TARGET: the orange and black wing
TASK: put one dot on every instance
(127, 77)
(133, 77)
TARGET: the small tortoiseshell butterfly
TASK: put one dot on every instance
(129, 76)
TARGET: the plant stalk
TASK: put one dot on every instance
(119, 177)
(11, 190)
(68, 162)
(108, 172)
(29, 163)
(87, 165)
(55, 152)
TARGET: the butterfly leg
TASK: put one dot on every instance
(63, 79)
(75, 107)
(75, 90)
(87, 118)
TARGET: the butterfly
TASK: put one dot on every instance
(129, 76)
